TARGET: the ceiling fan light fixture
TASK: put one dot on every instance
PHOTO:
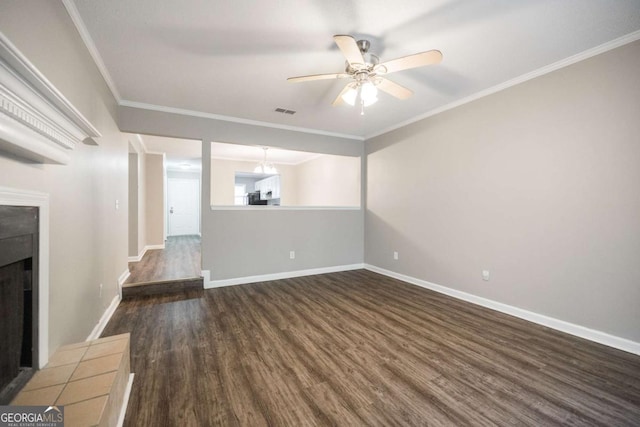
(364, 70)
(368, 94)
(350, 96)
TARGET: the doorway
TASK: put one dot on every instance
(183, 206)
(164, 197)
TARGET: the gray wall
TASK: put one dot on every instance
(326, 238)
(137, 197)
(249, 242)
(88, 236)
(538, 183)
(136, 120)
(133, 205)
(154, 199)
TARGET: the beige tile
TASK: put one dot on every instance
(50, 376)
(42, 396)
(87, 388)
(101, 365)
(105, 349)
(111, 338)
(66, 357)
(87, 413)
(74, 346)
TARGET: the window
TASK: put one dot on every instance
(240, 194)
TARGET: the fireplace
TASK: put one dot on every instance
(39, 124)
(19, 241)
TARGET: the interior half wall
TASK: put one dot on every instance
(239, 244)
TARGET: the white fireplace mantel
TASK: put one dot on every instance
(36, 121)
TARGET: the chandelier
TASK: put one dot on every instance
(265, 167)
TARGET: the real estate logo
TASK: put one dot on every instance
(31, 416)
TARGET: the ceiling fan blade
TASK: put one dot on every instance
(412, 61)
(317, 77)
(339, 100)
(349, 49)
(393, 89)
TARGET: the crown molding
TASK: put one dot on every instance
(93, 51)
(192, 113)
(73, 12)
(605, 47)
(36, 121)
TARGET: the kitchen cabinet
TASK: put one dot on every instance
(269, 187)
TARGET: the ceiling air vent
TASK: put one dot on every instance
(285, 111)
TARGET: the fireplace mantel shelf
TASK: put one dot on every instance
(36, 121)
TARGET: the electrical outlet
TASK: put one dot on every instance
(485, 275)
(117, 204)
(100, 290)
(395, 255)
(292, 254)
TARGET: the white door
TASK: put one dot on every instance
(183, 196)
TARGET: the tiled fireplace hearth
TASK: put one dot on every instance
(90, 379)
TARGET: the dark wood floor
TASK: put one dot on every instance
(180, 259)
(357, 348)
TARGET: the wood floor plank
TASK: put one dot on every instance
(180, 259)
(357, 348)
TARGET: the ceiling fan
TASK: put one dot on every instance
(365, 71)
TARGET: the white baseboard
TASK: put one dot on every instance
(139, 257)
(208, 284)
(550, 322)
(106, 316)
(123, 277)
(125, 401)
(144, 251)
(206, 277)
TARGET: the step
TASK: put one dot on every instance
(90, 380)
(162, 287)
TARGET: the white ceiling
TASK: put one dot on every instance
(221, 150)
(187, 151)
(178, 151)
(232, 58)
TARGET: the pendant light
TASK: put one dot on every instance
(265, 167)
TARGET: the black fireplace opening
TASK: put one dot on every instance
(18, 298)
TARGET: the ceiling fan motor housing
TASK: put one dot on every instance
(370, 60)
